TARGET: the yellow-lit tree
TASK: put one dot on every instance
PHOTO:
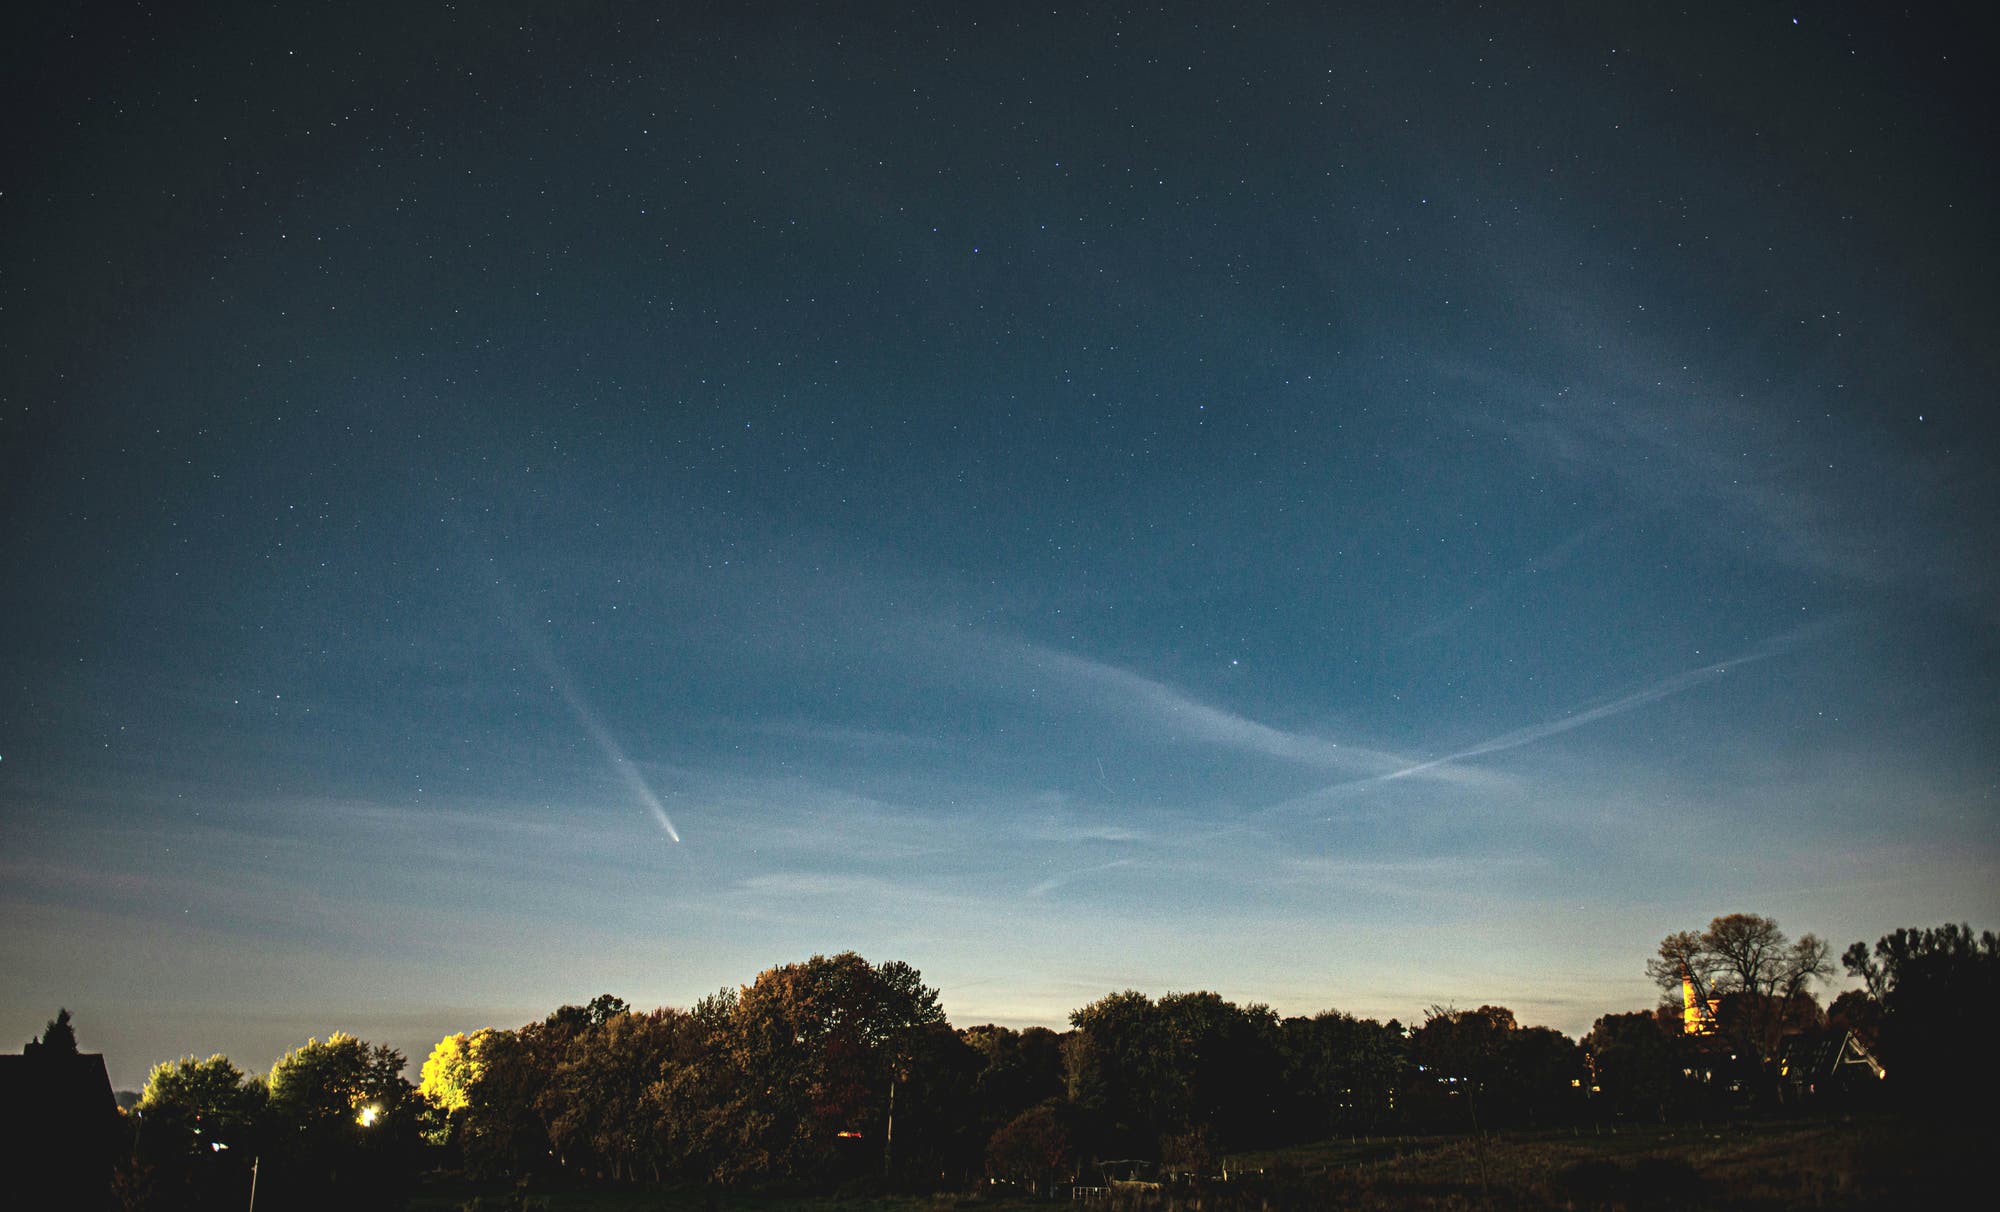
(452, 1068)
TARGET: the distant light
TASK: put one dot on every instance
(369, 1114)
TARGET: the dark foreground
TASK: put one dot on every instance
(1859, 1163)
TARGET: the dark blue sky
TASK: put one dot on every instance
(1353, 509)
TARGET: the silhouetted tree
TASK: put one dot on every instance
(57, 1039)
(1118, 1064)
(345, 1128)
(1017, 1070)
(1934, 990)
(1483, 1066)
(1460, 1054)
(1748, 958)
(208, 1099)
(939, 1131)
(1541, 1077)
(1342, 1074)
(200, 1125)
(1228, 1068)
(571, 1020)
(1192, 1067)
(499, 1131)
(339, 1081)
(1854, 1010)
(1637, 1063)
(600, 1104)
(815, 1047)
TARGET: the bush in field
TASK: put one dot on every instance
(1037, 1148)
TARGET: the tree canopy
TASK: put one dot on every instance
(210, 1099)
(1930, 997)
(57, 1039)
(337, 1080)
(815, 1047)
(1755, 977)
(1740, 953)
(452, 1068)
(831, 1070)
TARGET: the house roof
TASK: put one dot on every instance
(1816, 1057)
(54, 1097)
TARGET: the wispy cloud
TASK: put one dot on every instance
(821, 884)
(803, 816)
(1776, 465)
(1431, 876)
(1068, 832)
(868, 739)
(1153, 705)
(1069, 877)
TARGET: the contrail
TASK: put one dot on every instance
(594, 727)
(1552, 558)
(1638, 698)
(1527, 736)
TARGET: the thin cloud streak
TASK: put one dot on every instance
(1521, 737)
(1069, 877)
(1213, 725)
(1619, 706)
(840, 736)
(1191, 719)
(801, 814)
(1552, 558)
(1437, 881)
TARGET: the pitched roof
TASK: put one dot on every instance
(58, 1121)
(1819, 1057)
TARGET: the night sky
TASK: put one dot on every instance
(503, 502)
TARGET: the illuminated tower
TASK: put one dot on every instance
(1697, 1016)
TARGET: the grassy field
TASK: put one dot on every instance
(1777, 1166)
(1871, 1163)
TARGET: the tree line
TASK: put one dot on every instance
(835, 1072)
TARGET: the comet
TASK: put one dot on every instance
(593, 727)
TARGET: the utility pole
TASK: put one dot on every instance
(889, 1136)
(253, 1182)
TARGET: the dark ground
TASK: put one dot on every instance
(1769, 1166)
